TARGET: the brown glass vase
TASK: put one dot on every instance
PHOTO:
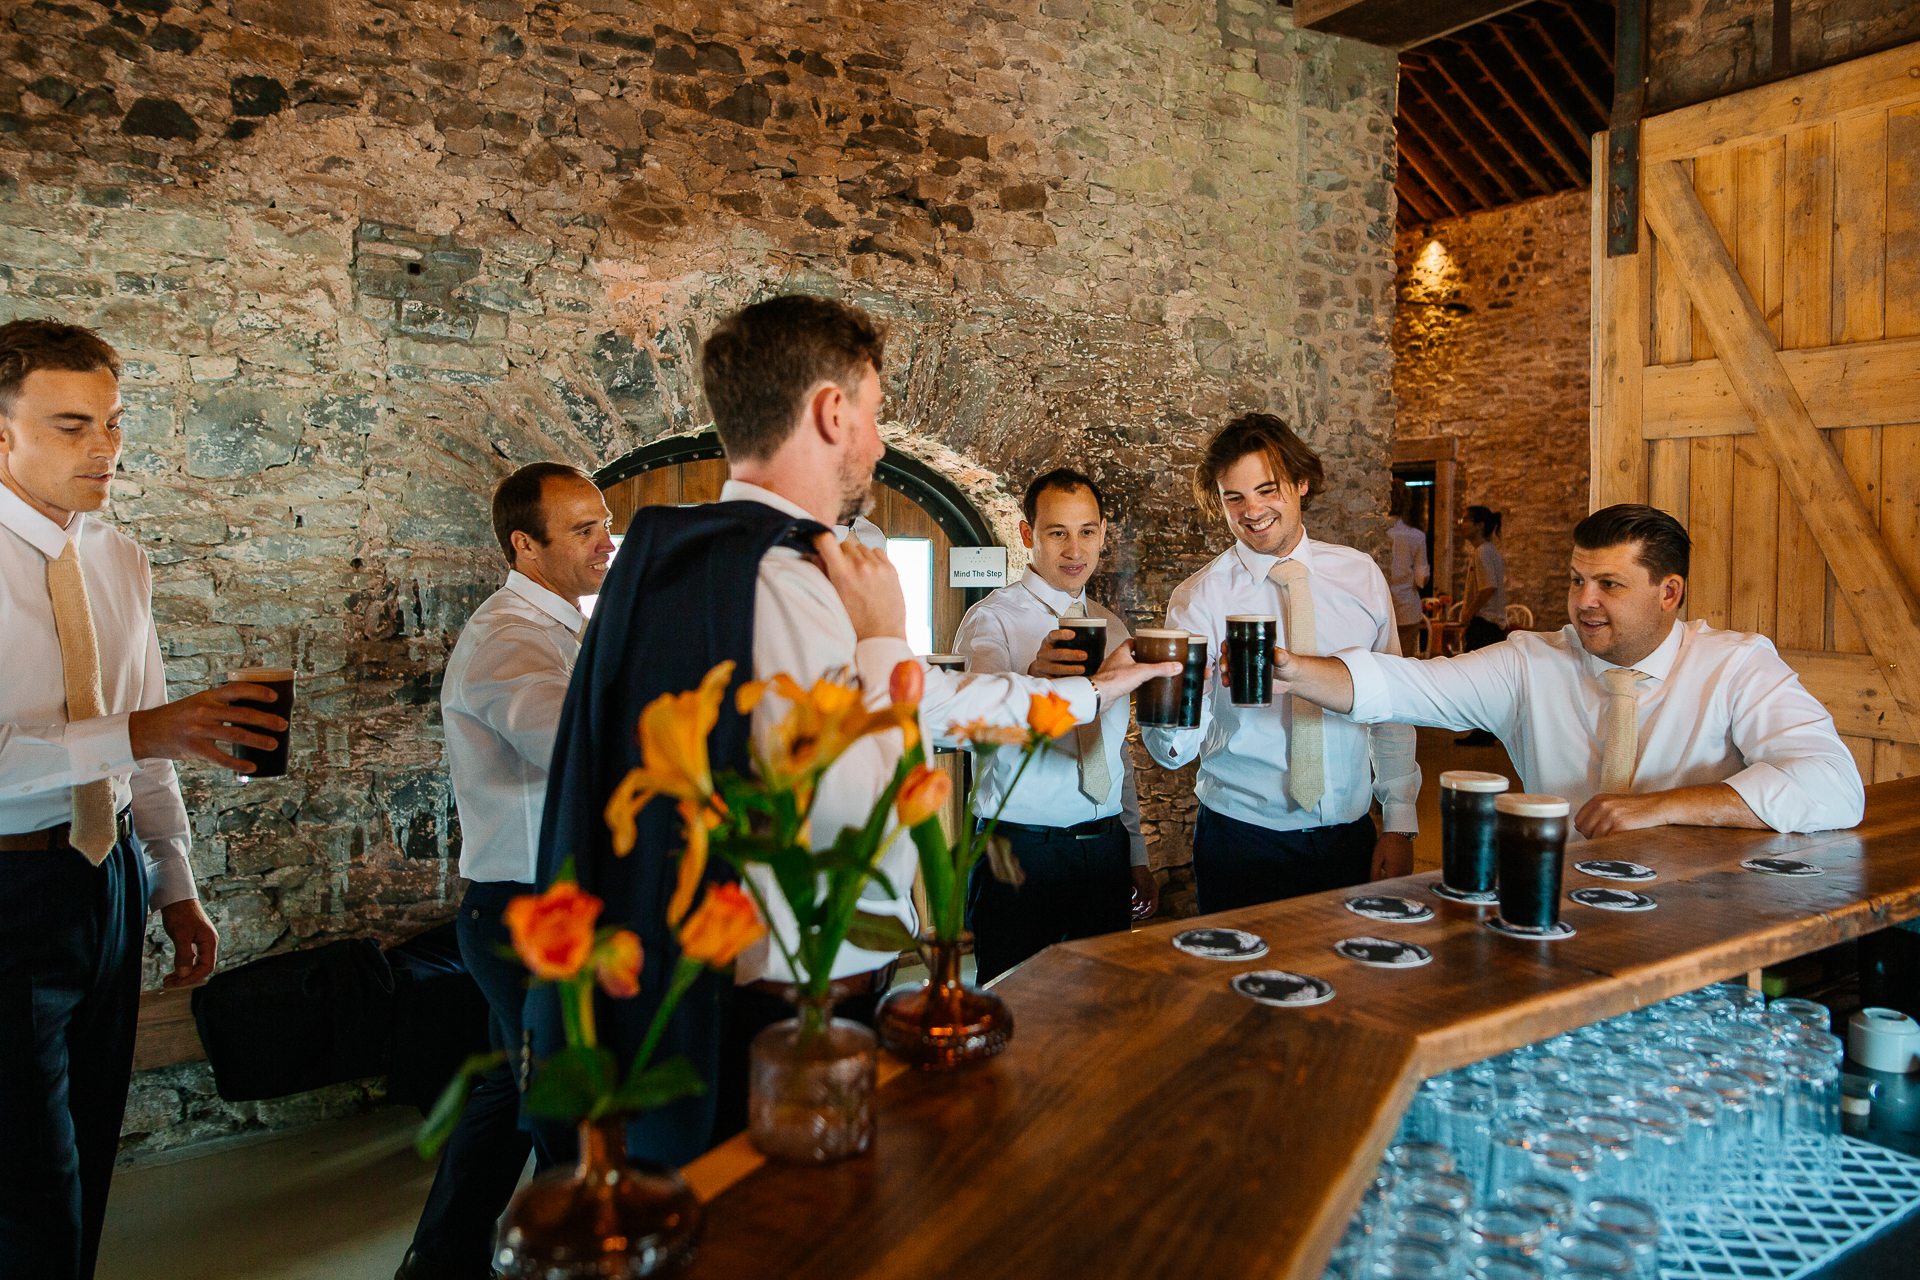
(600, 1220)
(810, 1092)
(944, 1023)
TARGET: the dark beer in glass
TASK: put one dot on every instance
(1250, 641)
(1532, 835)
(1193, 682)
(1158, 702)
(1089, 636)
(1469, 857)
(266, 764)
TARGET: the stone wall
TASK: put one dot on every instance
(366, 256)
(1700, 49)
(1490, 345)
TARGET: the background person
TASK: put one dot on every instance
(1486, 595)
(1408, 570)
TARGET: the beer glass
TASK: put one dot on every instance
(1193, 681)
(266, 764)
(1250, 641)
(1158, 702)
(1469, 861)
(1532, 835)
(1089, 636)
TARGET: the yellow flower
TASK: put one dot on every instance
(1049, 715)
(696, 820)
(725, 925)
(617, 964)
(820, 724)
(673, 754)
(923, 795)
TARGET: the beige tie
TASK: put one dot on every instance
(1096, 783)
(93, 828)
(1306, 750)
(1622, 746)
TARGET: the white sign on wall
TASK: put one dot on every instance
(977, 567)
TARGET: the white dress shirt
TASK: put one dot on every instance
(1408, 572)
(1718, 706)
(42, 754)
(1243, 750)
(1003, 633)
(505, 684)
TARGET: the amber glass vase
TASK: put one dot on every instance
(810, 1097)
(943, 1023)
(602, 1219)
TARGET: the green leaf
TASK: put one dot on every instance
(937, 869)
(880, 933)
(656, 1087)
(570, 1083)
(440, 1122)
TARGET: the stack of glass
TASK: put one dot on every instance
(1570, 1157)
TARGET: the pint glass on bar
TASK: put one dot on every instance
(945, 661)
(1158, 702)
(266, 764)
(1532, 835)
(1469, 858)
(1089, 636)
(1250, 641)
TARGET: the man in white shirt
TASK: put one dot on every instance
(1074, 819)
(1636, 718)
(1286, 793)
(93, 832)
(505, 684)
(1408, 571)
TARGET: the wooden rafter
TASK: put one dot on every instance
(1550, 96)
(1483, 112)
(1434, 102)
(1546, 140)
(1434, 176)
(1408, 187)
(1554, 51)
(1882, 601)
(1436, 141)
(1600, 45)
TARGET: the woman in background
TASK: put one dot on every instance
(1408, 572)
(1486, 595)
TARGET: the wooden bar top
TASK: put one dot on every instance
(1148, 1121)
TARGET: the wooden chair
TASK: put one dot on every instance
(1453, 632)
(1519, 618)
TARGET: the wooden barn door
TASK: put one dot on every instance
(1757, 374)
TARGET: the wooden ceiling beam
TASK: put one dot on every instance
(1600, 45)
(1550, 96)
(1395, 24)
(1436, 142)
(1483, 112)
(1573, 167)
(1601, 109)
(1435, 102)
(1424, 205)
(1435, 177)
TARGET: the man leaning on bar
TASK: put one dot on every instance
(1636, 718)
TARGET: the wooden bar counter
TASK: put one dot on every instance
(1147, 1121)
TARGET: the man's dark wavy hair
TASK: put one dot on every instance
(30, 345)
(1664, 547)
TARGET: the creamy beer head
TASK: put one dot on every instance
(1473, 780)
(259, 675)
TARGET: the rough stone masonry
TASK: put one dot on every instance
(367, 256)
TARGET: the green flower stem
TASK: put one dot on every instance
(971, 842)
(581, 989)
(684, 974)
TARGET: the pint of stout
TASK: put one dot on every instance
(1469, 857)
(1089, 636)
(1158, 702)
(266, 764)
(1532, 834)
(1193, 681)
(1250, 641)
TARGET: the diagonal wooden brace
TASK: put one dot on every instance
(1882, 600)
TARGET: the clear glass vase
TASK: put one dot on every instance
(944, 1023)
(604, 1219)
(810, 1099)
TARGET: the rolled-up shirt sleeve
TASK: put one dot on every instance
(159, 813)
(990, 689)
(1799, 775)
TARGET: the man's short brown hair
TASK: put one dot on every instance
(759, 363)
(517, 503)
(1287, 457)
(28, 345)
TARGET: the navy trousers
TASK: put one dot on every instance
(1077, 886)
(1238, 864)
(70, 943)
(483, 1159)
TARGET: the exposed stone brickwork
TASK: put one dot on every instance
(366, 256)
(1700, 49)
(1490, 345)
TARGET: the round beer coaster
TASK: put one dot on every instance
(1559, 931)
(1452, 894)
(1603, 869)
(1613, 899)
(1399, 910)
(1283, 990)
(1221, 944)
(1383, 953)
(1781, 867)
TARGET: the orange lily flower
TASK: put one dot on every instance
(1049, 715)
(725, 924)
(820, 724)
(617, 965)
(673, 751)
(984, 733)
(553, 931)
(923, 795)
(696, 820)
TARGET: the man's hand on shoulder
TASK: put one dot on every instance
(868, 586)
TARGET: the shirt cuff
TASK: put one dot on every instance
(1170, 748)
(169, 877)
(1370, 704)
(1137, 850)
(99, 747)
(1081, 696)
(1402, 818)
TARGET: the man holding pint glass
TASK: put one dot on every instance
(1074, 820)
(1285, 792)
(92, 828)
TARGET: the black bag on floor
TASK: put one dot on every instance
(301, 1021)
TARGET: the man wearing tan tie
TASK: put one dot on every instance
(1634, 717)
(1073, 820)
(92, 828)
(1286, 792)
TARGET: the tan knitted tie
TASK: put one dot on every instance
(1306, 750)
(1096, 783)
(92, 832)
(1622, 746)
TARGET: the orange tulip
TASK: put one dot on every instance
(725, 924)
(673, 753)
(923, 795)
(1049, 715)
(617, 965)
(908, 683)
(553, 931)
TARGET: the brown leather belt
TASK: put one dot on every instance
(51, 838)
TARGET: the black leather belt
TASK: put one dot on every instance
(50, 838)
(1089, 830)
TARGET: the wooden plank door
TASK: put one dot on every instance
(1765, 343)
